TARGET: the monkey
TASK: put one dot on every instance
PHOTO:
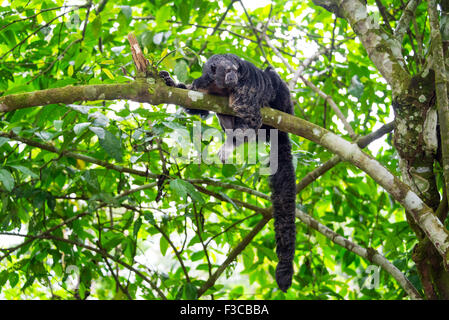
(249, 89)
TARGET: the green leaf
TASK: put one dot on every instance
(129, 249)
(181, 71)
(162, 15)
(356, 88)
(112, 146)
(92, 180)
(203, 267)
(80, 127)
(148, 215)
(184, 7)
(224, 195)
(96, 27)
(197, 255)
(49, 14)
(4, 275)
(51, 202)
(189, 292)
(100, 132)
(13, 279)
(57, 268)
(228, 170)
(136, 228)
(3, 141)
(182, 188)
(25, 171)
(82, 290)
(58, 124)
(178, 188)
(6, 179)
(127, 11)
(110, 240)
(163, 245)
(38, 268)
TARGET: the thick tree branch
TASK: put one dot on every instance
(441, 83)
(404, 22)
(149, 90)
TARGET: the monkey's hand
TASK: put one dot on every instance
(169, 81)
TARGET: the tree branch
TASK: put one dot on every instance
(441, 88)
(404, 21)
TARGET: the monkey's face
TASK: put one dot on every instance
(222, 71)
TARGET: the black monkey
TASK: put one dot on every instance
(250, 88)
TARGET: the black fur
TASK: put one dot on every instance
(250, 88)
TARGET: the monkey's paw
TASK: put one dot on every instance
(167, 79)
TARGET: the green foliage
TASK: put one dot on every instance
(94, 187)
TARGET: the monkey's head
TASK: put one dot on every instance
(222, 70)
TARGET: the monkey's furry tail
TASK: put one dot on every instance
(283, 195)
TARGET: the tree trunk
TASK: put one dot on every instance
(417, 141)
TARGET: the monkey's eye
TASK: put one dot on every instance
(213, 68)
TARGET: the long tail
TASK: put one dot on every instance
(283, 195)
